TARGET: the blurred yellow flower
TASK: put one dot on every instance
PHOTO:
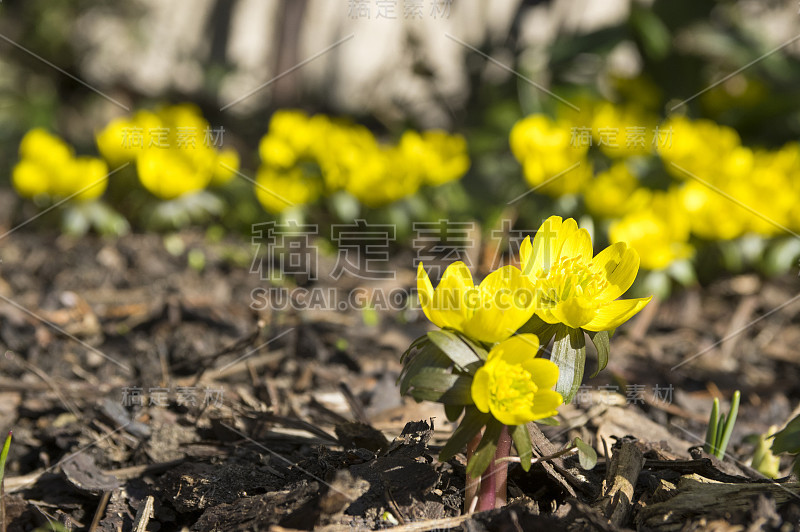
(614, 192)
(348, 157)
(441, 157)
(572, 287)
(169, 174)
(490, 312)
(174, 149)
(623, 131)
(658, 231)
(546, 149)
(700, 147)
(47, 166)
(278, 190)
(514, 385)
(383, 176)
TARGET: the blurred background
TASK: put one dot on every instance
(672, 124)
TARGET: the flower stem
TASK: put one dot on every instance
(501, 469)
(472, 484)
(494, 480)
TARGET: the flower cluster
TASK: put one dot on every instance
(305, 157)
(486, 359)
(665, 188)
(170, 149)
(48, 167)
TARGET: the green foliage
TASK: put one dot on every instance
(4, 456)
(586, 454)
(720, 428)
(569, 354)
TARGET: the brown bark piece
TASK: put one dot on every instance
(616, 500)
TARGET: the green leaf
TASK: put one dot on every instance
(569, 354)
(478, 349)
(455, 348)
(788, 439)
(543, 330)
(484, 454)
(549, 421)
(586, 455)
(727, 428)
(418, 343)
(711, 431)
(453, 412)
(474, 420)
(720, 428)
(429, 356)
(522, 442)
(4, 456)
(603, 346)
(652, 31)
(440, 385)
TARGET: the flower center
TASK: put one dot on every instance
(512, 387)
(567, 278)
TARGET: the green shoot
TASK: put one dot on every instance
(3, 456)
(720, 427)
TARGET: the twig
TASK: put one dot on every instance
(101, 509)
(143, 515)
(433, 524)
(355, 405)
(568, 450)
(393, 504)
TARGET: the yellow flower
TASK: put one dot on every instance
(622, 131)
(441, 157)
(278, 190)
(658, 231)
(490, 312)
(546, 149)
(226, 168)
(48, 166)
(614, 192)
(170, 174)
(85, 174)
(514, 385)
(572, 287)
(383, 176)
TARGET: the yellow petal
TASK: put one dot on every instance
(545, 404)
(480, 389)
(578, 243)
(547, 316)
(525, 262)
(546, 246)
(506, 303)
(565, 234)
(517, 349)
(453, 301)
(545, 373)
(574, 312)
(619, 264)
(425, 291)
(613, 314)
(512, 418)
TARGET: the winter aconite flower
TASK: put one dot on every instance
(490, 312)
(514, 385)
(49, 167)
(574, 288)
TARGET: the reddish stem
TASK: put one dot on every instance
(501, 469)
(494, 480)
